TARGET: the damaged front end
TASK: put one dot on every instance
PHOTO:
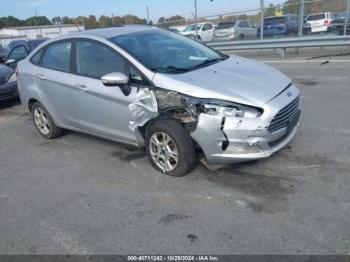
(225, 131)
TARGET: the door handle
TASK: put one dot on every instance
(41, 76)
(82, 87)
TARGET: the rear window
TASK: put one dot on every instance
(225, 25)
(316, 17)
(57, 56)
(36, 58)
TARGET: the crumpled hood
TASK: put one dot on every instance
(235, 79)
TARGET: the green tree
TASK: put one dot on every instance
(105, 21)
(56, 20)
(36, 20)
(10, 21)
(270, 10)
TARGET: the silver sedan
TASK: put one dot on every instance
(144, 86)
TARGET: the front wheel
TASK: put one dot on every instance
(170, 148)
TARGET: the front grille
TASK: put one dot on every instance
(284, 116)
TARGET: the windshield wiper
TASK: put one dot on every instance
(208, 62)
(170, 69)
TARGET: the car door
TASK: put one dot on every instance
(252, 31)
(17, 54)
(241, 32)
(54, 79)
(207, 31)
(103, 110)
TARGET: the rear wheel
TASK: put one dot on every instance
(44, 122)
(170, 148)
(241, 37)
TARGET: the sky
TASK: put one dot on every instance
(72, 8)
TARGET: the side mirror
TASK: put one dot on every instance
(115, 79)
(2, 59)
(10, 61)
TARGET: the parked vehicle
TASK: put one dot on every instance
(15, 43)
(205, 31)
(280, 25)
(8, 78)
(320, 22)
(337, 25)
(8, 83)
(241, 29)
(149, 87)
(3, 54)
(20, 52)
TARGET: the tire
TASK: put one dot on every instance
(44, 122)
(241, 37)
(163, 139)
(199, 37)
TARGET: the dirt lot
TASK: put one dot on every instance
(83, 195)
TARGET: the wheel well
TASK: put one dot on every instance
(31, 103)
(143, 129)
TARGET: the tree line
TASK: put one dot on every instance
(91, 21)
(88, 21)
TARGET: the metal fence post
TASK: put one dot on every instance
(262, 19)
(346, 18)
(196, 17)
(301, 18)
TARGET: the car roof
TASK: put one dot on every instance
(116, 31)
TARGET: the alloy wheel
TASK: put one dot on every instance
(164, 152)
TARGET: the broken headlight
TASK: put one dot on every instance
(228, 109)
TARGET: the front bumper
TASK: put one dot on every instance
(8, 91)
(226, 140)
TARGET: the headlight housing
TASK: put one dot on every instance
(228, 109)
(12, 78)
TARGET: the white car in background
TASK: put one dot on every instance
(205, 31)
(241, 29)
(320, 22)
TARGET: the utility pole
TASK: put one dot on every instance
(148, 19)
(301, 18)
(196, 17)
(113, 20)
(36, 14)
(346, 18)
(262, 4)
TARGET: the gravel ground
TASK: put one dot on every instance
(83, 195)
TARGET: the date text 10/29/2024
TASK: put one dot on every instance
(173, 258)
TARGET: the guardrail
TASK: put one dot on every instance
(282, 44)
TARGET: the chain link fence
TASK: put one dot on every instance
(262, 20)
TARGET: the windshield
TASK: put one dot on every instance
(192, 28)
(225, 25)
(316, 17)
(167, 52)
(34, 43)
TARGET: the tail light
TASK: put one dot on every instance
(326, 23)
(16, 71)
